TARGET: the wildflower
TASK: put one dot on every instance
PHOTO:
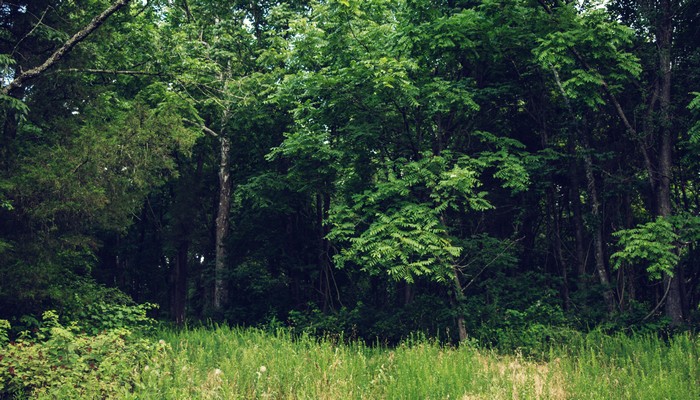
(146, 368)
(263, 369)
(162, 342)
(217, 372)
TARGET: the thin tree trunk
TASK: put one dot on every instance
(557, 247)
(459, 300)
(598, 249)
(408, 293)
(575, 199)
(327, 284)
(324, 285)
(179, 289)
(222, 225)
(630, 273)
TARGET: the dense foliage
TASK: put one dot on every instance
(490, 169)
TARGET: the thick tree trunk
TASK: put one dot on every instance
(674, 303)
(222, 226)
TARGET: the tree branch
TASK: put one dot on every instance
(203, 127)
(108, 71)
(41, 20)
(66, 48)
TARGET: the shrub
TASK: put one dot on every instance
(58, 361)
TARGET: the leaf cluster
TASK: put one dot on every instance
(657, 245)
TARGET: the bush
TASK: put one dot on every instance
(58, 361)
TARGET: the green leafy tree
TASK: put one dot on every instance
(95, 137)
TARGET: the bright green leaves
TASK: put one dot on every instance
(456, 30)
(456, 188)
(400, 225)
(507, 158)
(443, 96)
(658, 245)
(589, 52)
(385, 106)
(652, 244)
(403, 242)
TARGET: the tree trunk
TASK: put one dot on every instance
(327, 280)
(631, 274)
(459, 302)
(555, 233)
(575, 199)
(408, 293)
(179, 281)
(674, 303)
(222, 226)
(598, 249)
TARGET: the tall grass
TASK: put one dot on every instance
(234, 363)
(640, 367)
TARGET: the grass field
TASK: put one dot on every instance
(231, 363)
(237, 363)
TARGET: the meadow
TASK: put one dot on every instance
(237, 363)
(234, 363)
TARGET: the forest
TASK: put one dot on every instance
(326, 199)
(469, 169)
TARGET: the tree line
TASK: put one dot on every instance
(371, 166)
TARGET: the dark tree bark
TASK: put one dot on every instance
(178, 303)
(674, 302)
(323, 258)
(575, 199)
(222, 225)
(459, 301)
(408, 293)
(555, 233)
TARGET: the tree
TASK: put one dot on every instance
(84, 153)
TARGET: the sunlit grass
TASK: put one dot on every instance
(233, 363)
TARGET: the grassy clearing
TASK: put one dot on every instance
(232, 363)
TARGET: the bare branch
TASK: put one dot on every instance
(203, 127)
(66, 48)
(41, 19)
